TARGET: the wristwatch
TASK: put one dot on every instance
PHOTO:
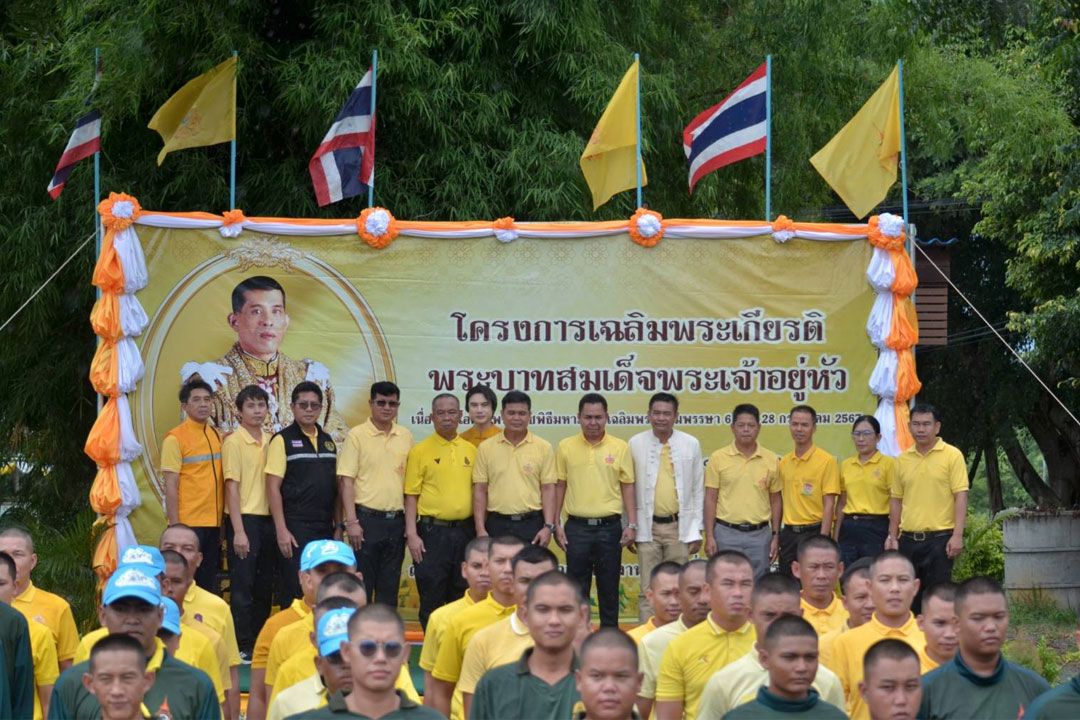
(550, 526)
(631, 525)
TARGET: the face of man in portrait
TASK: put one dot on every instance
(261, 323)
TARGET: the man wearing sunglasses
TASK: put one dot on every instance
(300, 483)
(371, 475)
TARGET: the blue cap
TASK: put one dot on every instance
(333, 629)
(318, 552)
(132, 581)
(171, 621)
(143, 555)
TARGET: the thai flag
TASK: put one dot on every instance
(344, 164)
(733, 130)
(84, 142)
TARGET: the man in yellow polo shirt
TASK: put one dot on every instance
(938, 622)
(438, 507)
(507, 639)
(725, 636)
(855, 586)
(892, 586)
(929, 502)
(742, 494)
(42, 645)
(662, 594)
(809, 486)
(371, 475)
(596, 484)
(35, 604)
(818, 569)
(480, 404)
(514, 479)
(462, 627)
(249, 533)
(194, 483)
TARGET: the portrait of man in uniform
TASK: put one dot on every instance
(260, 320)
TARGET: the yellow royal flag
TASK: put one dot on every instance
(860, 161)
(608, 160)
(203, 112)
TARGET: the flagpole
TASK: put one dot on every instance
(768, 137)
(232, 153)
(97, 199)
(638, 154)
(903, 141)
(374, 81)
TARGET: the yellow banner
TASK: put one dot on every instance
(716, 322)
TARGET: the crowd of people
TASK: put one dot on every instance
(756, 629)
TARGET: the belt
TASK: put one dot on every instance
(921, 536)
(597, 521)
(743, 527)
(867, 516)
(387, 514)
(666, 519)
(431, 520)
(530, 515)
(814, 527)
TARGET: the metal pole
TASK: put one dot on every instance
(232, 153)
(374, 81)
(768, 137)
(903, 142)
(638, 155)
(94, 213)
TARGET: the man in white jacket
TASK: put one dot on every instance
(670, 491)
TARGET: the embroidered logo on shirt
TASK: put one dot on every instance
(610, 459)
(198, 616)
(808, 488)
(437, 461)
(329, 446)
(163, 712)
(298, 443)
(467, 462)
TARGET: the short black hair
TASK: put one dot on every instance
(690, 564)
(376, 612)
(484, 390)
(306, 386)
(9, 561)
(888, 649)
(344, 581)
(788, 626)
(171, 556)
(183, 526)
(732, 557)
(516, 397)
(477, 544)
(591, 399)
(251, 392)
(386, 389)
(667, 567)
(609, 637)
(945, 591)
(554, 577)
(505, 541)
(775, 583)
(925, 408)
(978, 585)
(445, 396)
(745, 409)
(122, 642)
(191, 386)
(890, 555)
(822, 542)
(859, 568)
(255, 282)
(873, 422)
(805, 409)
(336, 602)
(533, 555)
(664, 397)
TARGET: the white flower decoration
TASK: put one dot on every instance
(378, 222)
(506, 236)
(890, 225)
(231, 231)
(782, 236)
(648, 225)
(123, 209)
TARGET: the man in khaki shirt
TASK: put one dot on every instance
(371, 474)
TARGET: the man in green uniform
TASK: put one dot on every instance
(1062, 702)
(540, 685)
(16, 662)
(891, 687)
(131, 605)
(374, 652)
(790, 654)
(608, 679)
(979, 682)
(118, 677)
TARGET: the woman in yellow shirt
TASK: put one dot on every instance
(862, 514)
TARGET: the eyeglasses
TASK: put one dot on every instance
(863, 433)
(391, 649)
(309, 405)
(387, 403)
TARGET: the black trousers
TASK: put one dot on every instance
(526, 527)
(206, 575)
(790, 537)
(289, 568)
(438, 575)
(250, 578)
(381, 554)
(595, 550)
(932, 565)
(862, 536)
